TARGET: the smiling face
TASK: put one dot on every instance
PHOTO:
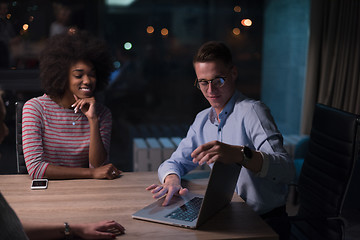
(82, 80)
(216, 96)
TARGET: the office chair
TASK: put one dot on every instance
(301, 148)
(329, 201)
(21, 167)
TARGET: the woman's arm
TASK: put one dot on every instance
(32, 122)
(108, 171)
(97, 152)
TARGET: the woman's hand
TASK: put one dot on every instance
(86, 105)
(99, 230)
(108, 171)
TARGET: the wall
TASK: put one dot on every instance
(286, 34)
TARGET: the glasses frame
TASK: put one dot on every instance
(196, 83)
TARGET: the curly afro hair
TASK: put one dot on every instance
(66, 49)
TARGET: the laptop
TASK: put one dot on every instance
(192, 210)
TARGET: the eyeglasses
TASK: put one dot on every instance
(204, 84)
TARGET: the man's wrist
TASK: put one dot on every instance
(67, 231)
(172, 177)
(247, 155)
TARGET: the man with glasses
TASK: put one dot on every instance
(235, 129)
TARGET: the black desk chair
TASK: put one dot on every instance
(329, 177)
(21, 167)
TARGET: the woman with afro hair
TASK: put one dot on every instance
(66, 132)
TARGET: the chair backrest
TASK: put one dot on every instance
(328, 170)
(330, 161)
(21, 167)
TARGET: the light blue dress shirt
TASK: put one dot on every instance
(247, 122)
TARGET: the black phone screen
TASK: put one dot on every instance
(39, 183)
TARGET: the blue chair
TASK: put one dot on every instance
(300, 151)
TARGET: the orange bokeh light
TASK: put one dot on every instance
(72, 31)
(150, 29)
(246, 22)
(25, 27)
(236, 31)
(237, 9)
(164, 32)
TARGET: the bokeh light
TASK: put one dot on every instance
(72, 30)
(236, 31)
(150, 29)
(237, 9)
(246, 22)
(117, 64)
(164, 32)
(127, 45)
(25, 27)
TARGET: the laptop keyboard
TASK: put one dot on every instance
(187, 212)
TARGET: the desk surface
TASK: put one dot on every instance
(93, 200)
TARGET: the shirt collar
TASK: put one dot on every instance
(229, 107)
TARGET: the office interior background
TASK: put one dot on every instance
(153, 42)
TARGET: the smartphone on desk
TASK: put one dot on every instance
(39, 184)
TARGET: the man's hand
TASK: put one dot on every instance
(170, 187)
(217, 151)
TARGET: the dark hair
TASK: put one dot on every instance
(66, 49)
(212, 51)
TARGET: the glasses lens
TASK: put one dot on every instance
(218, 82)
(203, 84)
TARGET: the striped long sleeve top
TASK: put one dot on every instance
(58, 136)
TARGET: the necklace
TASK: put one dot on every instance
(78, 117)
